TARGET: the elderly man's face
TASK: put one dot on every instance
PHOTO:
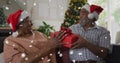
(84, 17)
(83, 13)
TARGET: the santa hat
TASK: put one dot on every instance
(93, 10)
(15, 18)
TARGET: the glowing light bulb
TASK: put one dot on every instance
(26, 58)
(49, 60)
(6, 42)
(97, 56)
(21, 19)
(7, 8)
(73, 61)
(10, 32)
(34, 4)
(79, 7)
(60, 55)
(24, 3)
(71, 52)
(42, 58)
(80, 53)
(105, 37)
(31, 41)
(51, 54)
(13, 45)
(58, 52)
(30, 45)
(23, 55)
(102, 51)
(49, 0)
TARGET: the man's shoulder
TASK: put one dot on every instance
(75, 26)
(103, 29)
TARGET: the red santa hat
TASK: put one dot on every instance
(15, 18)
(93, 10)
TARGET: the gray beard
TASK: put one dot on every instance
(84, 21)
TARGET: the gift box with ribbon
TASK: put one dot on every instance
(69, 39)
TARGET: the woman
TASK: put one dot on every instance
(27, 46)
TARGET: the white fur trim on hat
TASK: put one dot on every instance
(15, 34)
(23, 15)
(10, 25)
(87, 7)
(93, 15)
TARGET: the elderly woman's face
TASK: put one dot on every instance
(26, 25)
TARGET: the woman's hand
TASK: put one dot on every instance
(58, 38)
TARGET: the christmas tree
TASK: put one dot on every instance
(73, 12)
(2, 17)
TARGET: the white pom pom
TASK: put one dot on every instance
(10, 25)
(91, 16)
(15, 34)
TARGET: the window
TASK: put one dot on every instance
(109, 18)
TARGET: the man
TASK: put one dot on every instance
(94, 41)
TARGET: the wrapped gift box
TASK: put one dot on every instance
(69, 39)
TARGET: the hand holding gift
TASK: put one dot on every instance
(69, 39)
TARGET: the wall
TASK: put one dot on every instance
(50, 11)
(13, 6)
(114, 28)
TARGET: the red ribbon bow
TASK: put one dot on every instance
(68, 31)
